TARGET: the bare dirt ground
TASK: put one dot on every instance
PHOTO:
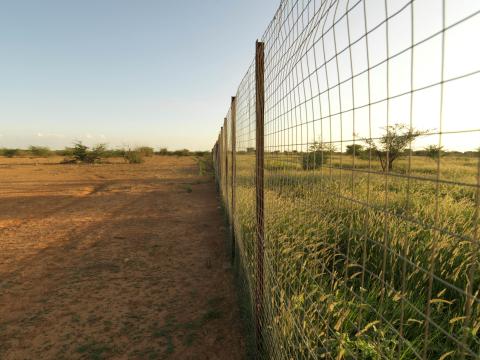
(113, 261)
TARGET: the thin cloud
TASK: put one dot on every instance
(56, 136)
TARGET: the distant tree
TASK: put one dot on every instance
(434, 151)
(163, 151)
(354, 149)
(393, 143)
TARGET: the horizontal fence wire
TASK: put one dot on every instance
(371, 182)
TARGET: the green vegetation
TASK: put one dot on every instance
(205, 164)
(434, 151)
(133, 157)
(393, 143)
(145, 151)
(181, 152)
(81, 153)
(354, 149)
(163, 151)
(10, 153)
(40, 151)
(348, 254)
(317, 155)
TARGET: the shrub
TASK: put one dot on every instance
(96, 154)
(133, 157)
(354, 149)
(183, 152)
(115, 153)
(314, 159)
(434, 151)
(163, 151)
(145, 151)
(81, 153)
(40, 151)
(10, 153)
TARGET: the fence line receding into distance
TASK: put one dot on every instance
(349, 168)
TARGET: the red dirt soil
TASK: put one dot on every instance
(114, 261)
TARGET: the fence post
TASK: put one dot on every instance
(220, 165)
(259, 183)
(233, 114)
(225, 153)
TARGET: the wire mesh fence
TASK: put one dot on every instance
(349, 167)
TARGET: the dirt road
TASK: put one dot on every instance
(113, 261)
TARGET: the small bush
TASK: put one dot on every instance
(133, 157)
(434, 151)
(116, 153)
(96, 154)
(183, 152)
(145, 151)
(314, 160)
(163, 151)
(80, 152)
(354, 149)
(40, 151)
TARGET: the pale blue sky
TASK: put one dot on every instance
(151, 72)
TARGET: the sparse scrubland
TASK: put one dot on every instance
(81, 153)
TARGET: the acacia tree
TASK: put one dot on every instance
(390, 146)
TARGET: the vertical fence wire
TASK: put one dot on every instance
(371, 181)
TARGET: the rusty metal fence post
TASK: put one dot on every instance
(233, 111)
(259, 183)
(225, 163)
(219, 163)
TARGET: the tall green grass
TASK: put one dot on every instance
(356, 258)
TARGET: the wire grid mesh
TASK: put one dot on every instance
(371, 228)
